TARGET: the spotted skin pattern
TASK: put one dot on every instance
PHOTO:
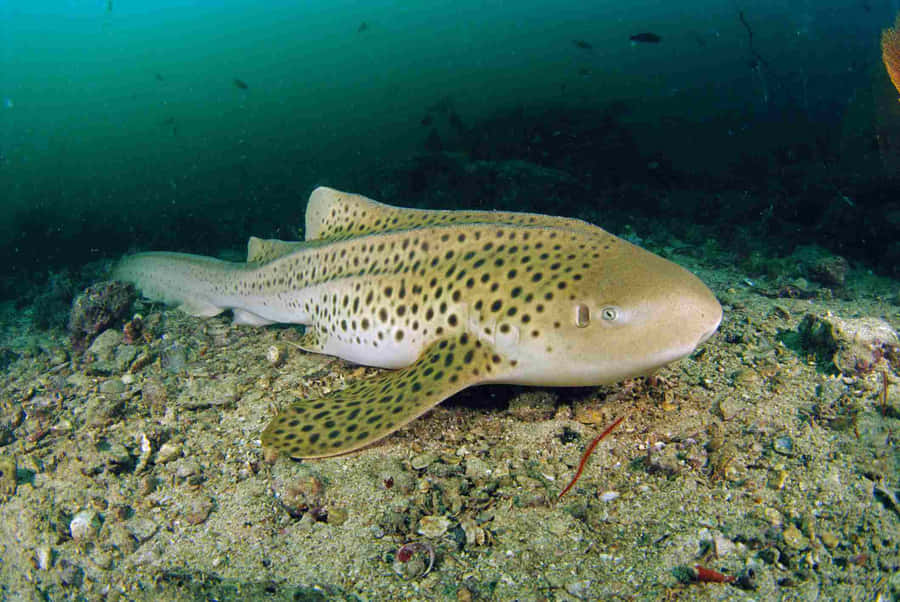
(447, 300)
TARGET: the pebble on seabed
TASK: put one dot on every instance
(84, 525)
(783, 445)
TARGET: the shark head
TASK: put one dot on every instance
(629, 314)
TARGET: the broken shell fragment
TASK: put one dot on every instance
(414, 559)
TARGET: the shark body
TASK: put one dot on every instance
(446, 300)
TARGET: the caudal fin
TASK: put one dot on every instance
(196, 284)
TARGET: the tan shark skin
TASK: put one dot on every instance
(446, 300)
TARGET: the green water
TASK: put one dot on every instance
(121, 122)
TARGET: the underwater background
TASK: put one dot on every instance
(191, 125)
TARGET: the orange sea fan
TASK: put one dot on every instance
(890, 52)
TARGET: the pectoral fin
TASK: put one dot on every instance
(199, 309)
(247, 318)
(371, 409)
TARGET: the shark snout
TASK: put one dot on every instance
(702, 313)
(706, 335)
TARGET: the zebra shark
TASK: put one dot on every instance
(443, 300)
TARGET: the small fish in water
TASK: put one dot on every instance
(645, 38)
(456, 123)
(159, 77)
(582, 44)
(427, 120)
(239, 83)
(169, 122)
(443, 300)
(433, 142)
(109, 6)
(444, 105)
(362, 27)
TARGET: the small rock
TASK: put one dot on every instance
(731, 405)
(392, 521)
(199, 510)
(147, 486)
(84, 526)
(168, 451)
(120, 538)
(777, 479)
(433, 526)
(205, 394)
(783, 445)
(475, 535)
(829, 540)
(794, 538)
(723, 545)
(43, 558)
(337, 516)
(116, 458)
(98, 308)
(101, 559)
(477, 469)
(143, 360)
(7, 476)
(187, 468)
(174, 358)
(154, 394)
(101, 410)
(830, 271)
(608, 496)
(124, 357)
(70, 573)
(744, 378)
(854, 346)
(112, 387)
(557, 525)
(104, 346)
(146, 453)
(299, 489)
(580, 589)
(275, 355)
(774, 517)
(142, 529)
(422, 461)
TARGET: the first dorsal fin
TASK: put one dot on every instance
(334, 215)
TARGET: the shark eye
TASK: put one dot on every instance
(582, 315)
(609, 313)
